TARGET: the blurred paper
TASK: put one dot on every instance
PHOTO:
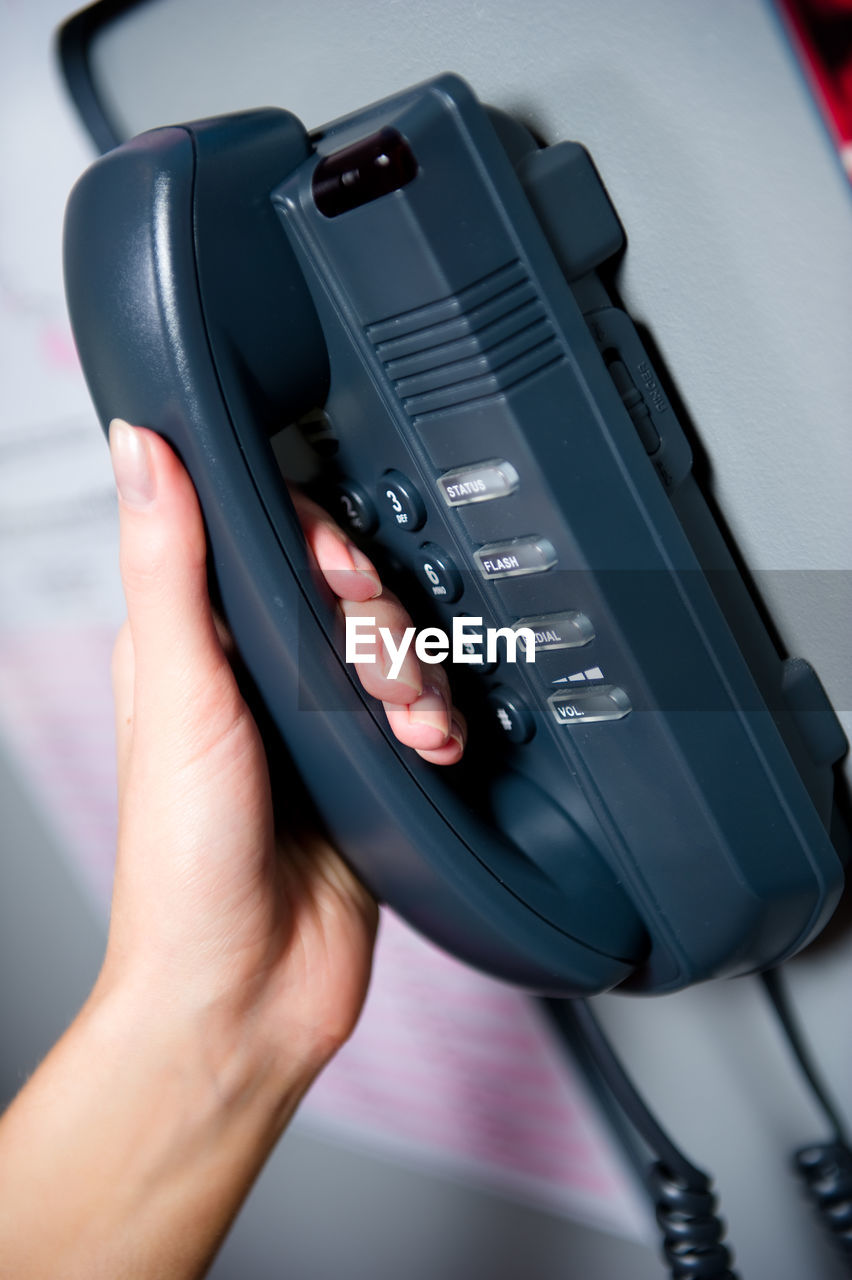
(463, 1073)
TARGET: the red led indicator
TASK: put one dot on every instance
(368, 169)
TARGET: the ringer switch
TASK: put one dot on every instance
(634, 403)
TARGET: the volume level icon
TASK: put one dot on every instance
(580, 677)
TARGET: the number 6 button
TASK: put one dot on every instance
(438, 573)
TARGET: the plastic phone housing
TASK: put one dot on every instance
(658, 813)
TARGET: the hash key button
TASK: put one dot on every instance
(512, 714)
(516, 557)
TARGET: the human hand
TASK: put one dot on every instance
(210, 908)
(238, 958)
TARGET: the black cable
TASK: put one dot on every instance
(693, 1234)
(780, 1000)
(825, 1168)
(624, 1091)
(74, 42)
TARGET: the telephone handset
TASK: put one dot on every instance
(413, 294)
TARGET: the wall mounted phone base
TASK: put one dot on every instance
(418, 292)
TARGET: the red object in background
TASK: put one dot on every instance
(829, 7)
(822, 31)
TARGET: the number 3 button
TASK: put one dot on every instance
(438, 573)
(399, 498)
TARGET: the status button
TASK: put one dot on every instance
(480, 482)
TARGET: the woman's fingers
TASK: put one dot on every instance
(178, 659)
(350, 574)
(417, 729)
(172, 649)
(389, 668)
(416, 696)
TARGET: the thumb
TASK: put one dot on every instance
(163, 568)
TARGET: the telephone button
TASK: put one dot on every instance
(399, 498)
(511, 714)
(558, 630)
(481, 482)
(353, 508)
(603, 702)
(477, 649)
(516, 557)
(438, 573)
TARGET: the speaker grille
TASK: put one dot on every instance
(471, 345)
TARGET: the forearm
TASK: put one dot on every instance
(132, 1147)
(236, 964)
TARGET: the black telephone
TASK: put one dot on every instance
(414, 294)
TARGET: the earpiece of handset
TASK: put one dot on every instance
(174, 236)
(191, 315)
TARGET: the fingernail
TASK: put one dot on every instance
(131, 464)
(431, 709)
(457, 733)
(365, 567)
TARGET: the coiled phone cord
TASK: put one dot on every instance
(693, 1234)
(824, 1167)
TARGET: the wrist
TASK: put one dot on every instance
(144, 1132)
(214, 1067)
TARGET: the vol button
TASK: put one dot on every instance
(399, 498)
